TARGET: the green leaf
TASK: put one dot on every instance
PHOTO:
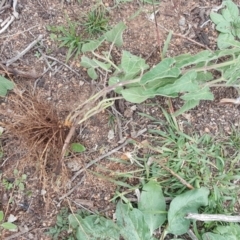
(188, 202)
(5, 85)
(216, 17)
(104, 66)
(199, 94)
(1, 215)
(204, 76)
(93, 227)
(77, 147)
(188, 59)
(131, 223)
(21, 186)
(9, 226)
(87, 62)
(162, 70)
(213, 236)
(152, 204)
(115, 34)
(231, 12)
(227, 15)
(92, 73)
(166, 44)
(187, 106)
(224, 27)
(186, 83)
(132, 65)
(236, 27)
(91, 46)
(136, 94)
(224, 39)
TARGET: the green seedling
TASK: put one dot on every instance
(227, 23)
(6, 225)
(61, 227)
(18, 182)
(69, 37)
(96, 21)
(5, 86)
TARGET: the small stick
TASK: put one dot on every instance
(72, 189)
(65, 65)
(212, 217)
(31, 45)
(7, 25)
(230, 100)
(177, 176)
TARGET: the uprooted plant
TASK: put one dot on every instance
(191, 76)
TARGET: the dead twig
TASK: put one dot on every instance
(17, 72)
(30, 46)
(176, 175)
(105, 155)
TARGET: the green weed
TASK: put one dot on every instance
(96, 21)
(227, 23)
(69, 37)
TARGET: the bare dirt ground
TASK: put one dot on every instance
(62, 88)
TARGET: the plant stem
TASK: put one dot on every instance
(107, 60)
(214, 66)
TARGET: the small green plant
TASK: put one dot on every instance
(61, 228)
(227, 23)
(18, 182)
(6, 225)
(96, 21)
(5, 85)
(69, 37)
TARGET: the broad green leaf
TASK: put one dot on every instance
(91, 46)
(200, 94)
(164, 69)
(224, 27)
(136, 94)
(216, 17)
(132, 65)
(104, 66)
(223, 40)
(87, 62)
(236, 27)
(232, 10)
(93, 227)
(1, 216)
(227, 15)
(187, 59)
(152, 204)
(115, 34)
(77, 147)
(186, 83)
(188, 202)
(204, 76)
(113, 80)
(232, 229)
(187, 106)
(131, 223)
(92, 73)
(9, 226)
(5, 85)
(212, 236)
